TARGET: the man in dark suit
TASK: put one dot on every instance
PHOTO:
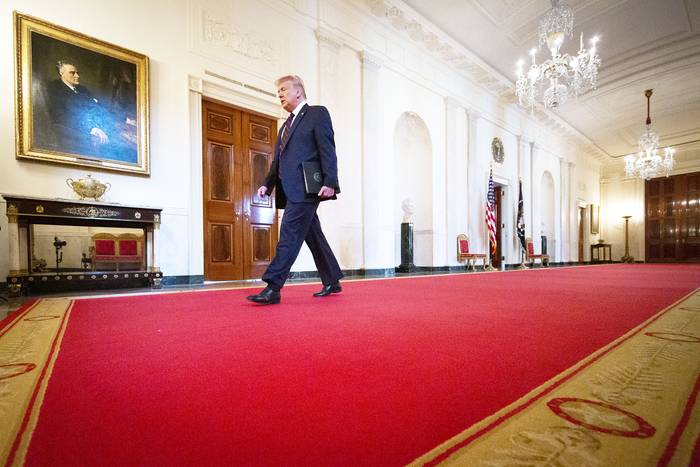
(81, 123)
(307, 135)
(79, 120)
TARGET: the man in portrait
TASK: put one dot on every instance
(81, 123)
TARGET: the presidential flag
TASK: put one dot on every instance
(491, 214)
(521, 218)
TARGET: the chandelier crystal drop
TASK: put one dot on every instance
(560, 76)
(647, 163)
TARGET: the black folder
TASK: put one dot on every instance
(313, 178)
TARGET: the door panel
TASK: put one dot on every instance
(261, 228)
(240, 232)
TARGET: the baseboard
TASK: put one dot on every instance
(183, 280)
(348, 273)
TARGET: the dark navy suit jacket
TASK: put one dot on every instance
(310, 139)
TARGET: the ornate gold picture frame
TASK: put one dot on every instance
(79, 100)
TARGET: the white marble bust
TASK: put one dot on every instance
(408, 210)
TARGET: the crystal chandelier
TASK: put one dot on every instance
(648, 163)
(561, 75)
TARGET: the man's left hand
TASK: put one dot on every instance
(326, 192)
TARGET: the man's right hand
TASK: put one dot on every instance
(262, 192)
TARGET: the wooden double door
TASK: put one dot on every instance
(240, 229)
(672, 207)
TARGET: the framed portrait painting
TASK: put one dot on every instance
(80, 100)
(595, 218)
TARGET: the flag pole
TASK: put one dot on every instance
(521, 220)
(522, 259)
(488, 266)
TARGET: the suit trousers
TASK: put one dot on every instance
(300, 224)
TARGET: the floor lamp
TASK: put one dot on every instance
(627, 258)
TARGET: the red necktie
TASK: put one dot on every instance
(285, 131)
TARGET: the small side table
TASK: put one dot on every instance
(606, 249)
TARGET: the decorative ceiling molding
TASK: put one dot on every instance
(405, 20)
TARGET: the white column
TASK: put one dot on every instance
(564, 211)
(474, 230)
(156, 240)
(456, 187)
(533, 230)
(523, 178)
(524, 175)
(195, 229)
(572, 245)
(573, 213)
(13, 239)
(152, 237)
(373, 243)
(328, 47)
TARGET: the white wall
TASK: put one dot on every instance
(208, 48)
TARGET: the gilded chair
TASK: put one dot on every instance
(464, 254)
(531, 257)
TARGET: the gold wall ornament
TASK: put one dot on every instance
(497, 150)
(91, 211)
(88, 187)
(12, 213)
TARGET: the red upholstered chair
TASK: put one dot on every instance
(103, 249)
(108, 248)
(129, 249)
(532, 257)
(464, 254)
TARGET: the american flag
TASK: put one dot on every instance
(521, 218)
(490, 214)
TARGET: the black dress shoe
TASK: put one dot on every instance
(267, 296)
(329, 289)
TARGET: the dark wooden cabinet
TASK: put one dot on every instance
(672, 219)
(26, 213)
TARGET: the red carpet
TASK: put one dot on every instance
(377, 375)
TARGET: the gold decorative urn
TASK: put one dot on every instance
(88, 187)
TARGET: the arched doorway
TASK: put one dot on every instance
(413, 180)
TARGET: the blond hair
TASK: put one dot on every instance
(295, 80)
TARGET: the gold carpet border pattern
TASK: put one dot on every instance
(28, 348)
(631, 403)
